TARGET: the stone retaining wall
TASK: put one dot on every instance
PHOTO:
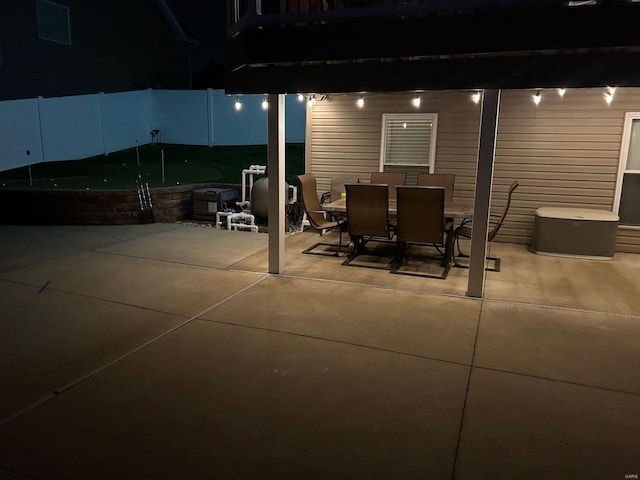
(96, 207)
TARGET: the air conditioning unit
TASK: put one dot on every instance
(209, 201)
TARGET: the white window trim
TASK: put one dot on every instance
(398, 116)
(622, 164)
(55, 40)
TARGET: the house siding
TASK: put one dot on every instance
(564, 151)
(343, 139)
(113, 48)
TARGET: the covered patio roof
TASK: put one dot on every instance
(417, 46)
(487, 46)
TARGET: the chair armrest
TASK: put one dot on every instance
(325, 197)
(333, 216)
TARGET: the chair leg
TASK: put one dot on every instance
(303, 222)
(460, 254)
(339, 242)
(496, 260)
(309, 250)
(448, 255)
(400, 247)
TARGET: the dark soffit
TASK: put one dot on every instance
(525, 48)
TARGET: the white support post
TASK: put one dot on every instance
(482, 205)
(275, 173)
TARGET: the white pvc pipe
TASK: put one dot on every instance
(243, 217)
(251, 171)
(218, 215)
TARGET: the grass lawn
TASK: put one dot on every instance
(183, 164)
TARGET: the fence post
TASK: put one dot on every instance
(210, 117)
(100, 104)
(152, 123)
(40, 98)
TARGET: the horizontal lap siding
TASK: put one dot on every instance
(345, 139)
(564, 151)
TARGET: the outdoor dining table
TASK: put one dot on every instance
(455, 211)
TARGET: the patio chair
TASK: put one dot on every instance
(421, 223)
(319, 219)
(466, 228)
(337, 187)
(368, 220)
(446, 180)
(391, 179)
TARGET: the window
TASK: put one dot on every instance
(409, 139)
(628, 186)
(53, 22)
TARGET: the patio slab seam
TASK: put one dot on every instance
(173, 262)
(333, 340)
(555, 380)
(466, 393)
(462, 297)
(383, 287)
(472, 364)
(40, 290)
(560, 307)
(95, 371)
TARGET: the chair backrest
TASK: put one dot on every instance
(446, 180)
(392, 179)
(420, 214)
(310, 198)
(337, 185)
(496, 227)
(367, 209)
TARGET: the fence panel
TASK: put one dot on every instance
(71, 127)
(75, 127)
(126, 119)
(181, 116)
(19, 133)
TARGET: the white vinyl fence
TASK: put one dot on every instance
(70, 128)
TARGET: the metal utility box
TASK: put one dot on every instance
(575, 232)
(209, 201)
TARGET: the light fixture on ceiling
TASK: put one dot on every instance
(238, 104)
(537, 98)
(312, 100)
(300, 97)
(360, 102)
(416, 101)
(265, 103)
(562, 91)
(608, 95)
(475, 97)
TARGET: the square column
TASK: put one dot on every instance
(482, 204)
(275, 173)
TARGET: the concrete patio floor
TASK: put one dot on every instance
(168, 351)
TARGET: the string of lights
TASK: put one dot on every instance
(416, 101)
